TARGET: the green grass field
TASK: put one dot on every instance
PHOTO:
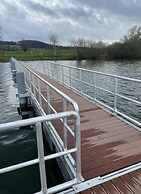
(32, 55)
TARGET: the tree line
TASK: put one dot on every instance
(129, 47)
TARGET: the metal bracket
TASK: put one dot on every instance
(87, 184)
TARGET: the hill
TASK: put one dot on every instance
(33, 44)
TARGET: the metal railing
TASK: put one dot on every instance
(34, 81)
(119, 95)
(37, 121)
(40, 92)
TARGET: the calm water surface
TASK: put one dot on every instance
(18, 145)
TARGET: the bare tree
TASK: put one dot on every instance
(81, 42)
(134, 34)
(53, 39)
(78, 42)
(73, 42)
(129, 47)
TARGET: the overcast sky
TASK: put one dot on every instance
(90, 19)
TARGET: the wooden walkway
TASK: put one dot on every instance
(108, 144)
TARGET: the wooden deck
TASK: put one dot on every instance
(108, 144)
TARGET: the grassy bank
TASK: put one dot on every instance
(32, 55)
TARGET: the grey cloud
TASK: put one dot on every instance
(124, 7)
(11, 11)
(77, 12)
(93, 19)
(39, 8)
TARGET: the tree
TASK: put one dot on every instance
(87, 49)
(129, 47)
(24, 45)
(73, 42)
(134, 34)
(132, 43)
(53, 39)
(81, 42)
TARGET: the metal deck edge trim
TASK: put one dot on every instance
(102, 179)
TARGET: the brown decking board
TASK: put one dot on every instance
(108, 144)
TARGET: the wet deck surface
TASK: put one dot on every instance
(108, 144)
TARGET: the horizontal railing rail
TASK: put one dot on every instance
(120, 95)
(37, 121)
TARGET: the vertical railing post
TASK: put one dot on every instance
(34, 91)
(41, 158)
(52, 71)
(39, 92)
(24, 70)
(56, 72)
(78, 146)
(80, 80)
(70, 77)
(30, 84)
(48, 69)
(62, 74)
(115, 95)
(94, 86)
(26, 76)
(48, 99)
(64, 124)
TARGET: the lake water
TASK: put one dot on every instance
(123, 68)
(18, 145)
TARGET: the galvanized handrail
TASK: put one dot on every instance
(69, 75)
(22, 68)
(34, 87)
(41, 158)
(30, 77)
